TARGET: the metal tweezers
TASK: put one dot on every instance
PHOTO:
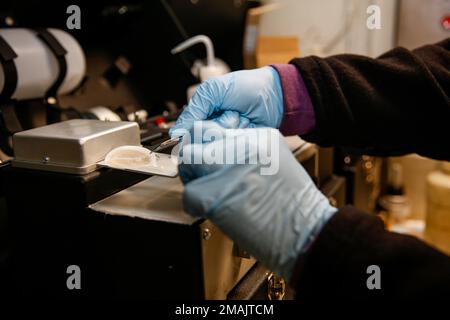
(167, 144)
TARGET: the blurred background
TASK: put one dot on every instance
(130, 74)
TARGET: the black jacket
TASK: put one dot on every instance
(396, 104)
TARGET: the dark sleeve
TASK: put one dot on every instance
(336, 264)
(395, 104)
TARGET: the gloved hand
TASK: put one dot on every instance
(255, 96)
(273, 214)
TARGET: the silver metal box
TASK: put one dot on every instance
(73, 146)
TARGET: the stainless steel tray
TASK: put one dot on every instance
(74, 146)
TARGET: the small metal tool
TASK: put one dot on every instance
(167, 143)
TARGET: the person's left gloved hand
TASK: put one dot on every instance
(274, 213)
(240, 99)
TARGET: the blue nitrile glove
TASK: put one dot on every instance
(256, 95)
(273, 214)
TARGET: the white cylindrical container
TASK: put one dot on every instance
(104, 114)
(437, 229)
(37, 67)
(212, 68)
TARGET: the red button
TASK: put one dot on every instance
(159, 120)
(446, 22)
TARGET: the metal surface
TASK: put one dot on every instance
(160, 199)
(276, 287)
(156, 198)
(73, 146)
(122, 240)
(222, 269)
(168, 143)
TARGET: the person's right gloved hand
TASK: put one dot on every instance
(247, 98)
(273, 214)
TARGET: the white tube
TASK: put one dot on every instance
(37, 67)
(104, 114)
(194, 40)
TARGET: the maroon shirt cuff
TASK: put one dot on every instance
(299, 117)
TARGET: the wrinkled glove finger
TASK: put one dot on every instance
(207, 98)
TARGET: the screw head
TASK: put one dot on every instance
(9, 21)
(206, 234)
(51, 100)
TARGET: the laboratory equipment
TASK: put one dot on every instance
(128, 232)
(437, 230)
(203, 71)
(41, 58)
(395, 202)
(80, 146)
(35, 64)
(74, 146)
